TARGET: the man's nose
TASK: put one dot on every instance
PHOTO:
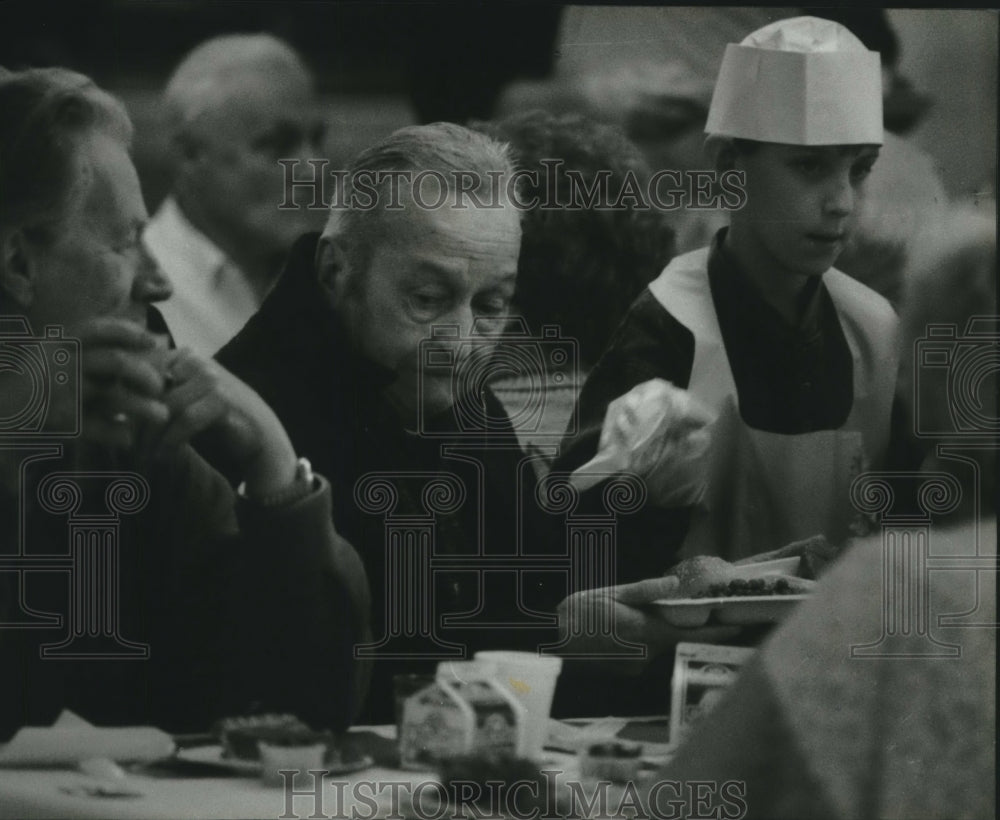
(470, 328)
(463, 317)
(151, 283)
(839, 199)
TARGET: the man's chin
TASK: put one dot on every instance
(431, 398)
(413, 402)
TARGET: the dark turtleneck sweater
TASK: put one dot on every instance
(298, 356)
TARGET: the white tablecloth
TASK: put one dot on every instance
(36, 793)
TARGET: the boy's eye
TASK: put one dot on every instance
(131, 243)
(809, 166)
(861, 170)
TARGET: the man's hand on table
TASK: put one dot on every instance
(627, 607)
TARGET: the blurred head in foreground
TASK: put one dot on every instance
(950, 357)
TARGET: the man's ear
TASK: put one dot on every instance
(17, 268)
(332, 268)
(721, 152)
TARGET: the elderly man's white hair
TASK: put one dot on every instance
(440, 147)
(218, 70)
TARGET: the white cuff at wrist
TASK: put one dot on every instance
(303, 484)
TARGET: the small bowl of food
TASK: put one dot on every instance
(281, 760)
(618, 761)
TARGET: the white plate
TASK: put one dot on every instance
(734, 609)
(212, 756)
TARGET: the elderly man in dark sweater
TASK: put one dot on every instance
(372, 350)
(135, 586)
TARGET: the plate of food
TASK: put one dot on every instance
(338, 760)
(694, 612)
(763, 569)
(237, 744)
(711, 590)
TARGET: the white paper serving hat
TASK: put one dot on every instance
(800, 81)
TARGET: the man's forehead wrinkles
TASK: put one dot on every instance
(459, 267)
(438, 268)
(468, 239)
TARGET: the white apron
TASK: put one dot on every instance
(767, 489)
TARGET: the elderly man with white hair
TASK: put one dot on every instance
(234, 106)
(370, 349)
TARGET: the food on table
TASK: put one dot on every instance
(285, 756)
(465, 709)
(244, 744)
(221, 727)
(240, 736)
(618, 761)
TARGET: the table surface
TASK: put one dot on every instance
(36, 793)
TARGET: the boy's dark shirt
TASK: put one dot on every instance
(330, 399)
(790, 380)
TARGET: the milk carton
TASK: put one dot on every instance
(464, 710)
(702, 673)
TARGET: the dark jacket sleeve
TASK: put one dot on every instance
(282, 596)
(649, 344)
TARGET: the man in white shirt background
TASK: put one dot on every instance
(233, 107)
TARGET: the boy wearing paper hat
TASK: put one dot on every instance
(796, 361)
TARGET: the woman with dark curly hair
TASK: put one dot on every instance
(581, 267)
(587, 251)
